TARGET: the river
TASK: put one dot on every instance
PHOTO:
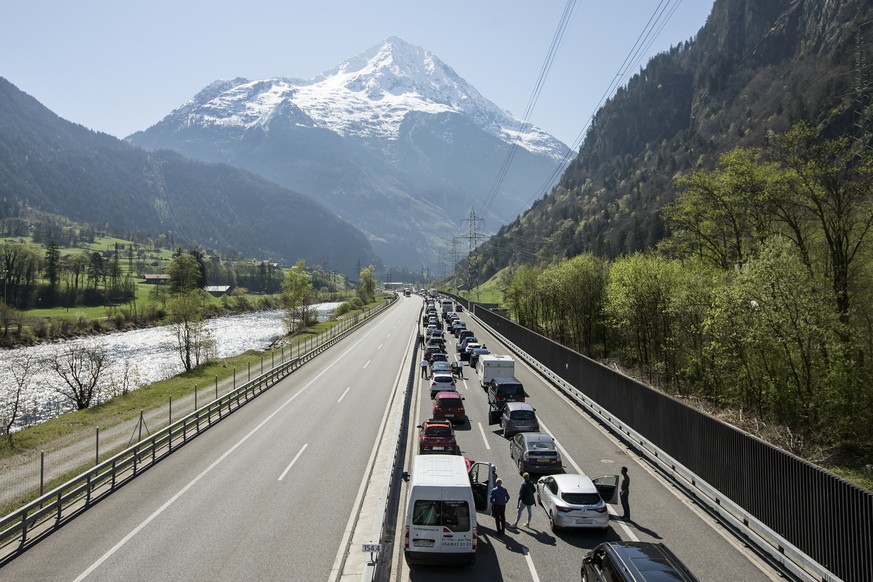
(148, 355)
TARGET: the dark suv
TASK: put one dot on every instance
(503, 390)
(633, 562)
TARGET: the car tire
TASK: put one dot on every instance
(552, 525)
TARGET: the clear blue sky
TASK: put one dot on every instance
(118, 67)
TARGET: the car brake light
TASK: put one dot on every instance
(563, 509)
(601, 509)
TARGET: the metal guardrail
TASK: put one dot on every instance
(43, 515)
(777, 548)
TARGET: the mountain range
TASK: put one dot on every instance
(753, 70)
(393, 140)
(54, 166)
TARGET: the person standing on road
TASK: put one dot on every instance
(423, 365)
(421, 340)
(525, 500)
(624, 494)
(499, 499)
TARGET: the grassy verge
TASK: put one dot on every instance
(127, 407)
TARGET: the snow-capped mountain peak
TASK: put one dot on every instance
(366, 97)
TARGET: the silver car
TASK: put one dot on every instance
(518, 417)
(535, 452)
(576, 501)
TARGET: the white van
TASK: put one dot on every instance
(444, 496)
(494, 366)
(448, 306)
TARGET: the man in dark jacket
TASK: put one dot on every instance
(525, 500)
(499, 499)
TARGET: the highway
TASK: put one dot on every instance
(660, 513)
(273, 491)
(266, 494)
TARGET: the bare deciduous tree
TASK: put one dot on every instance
(21, 367)
(79, 367)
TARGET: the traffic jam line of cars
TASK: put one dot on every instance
(446, 490)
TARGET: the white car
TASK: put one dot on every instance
(442, 382)
(575, 501)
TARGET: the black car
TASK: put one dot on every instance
(503, 390)
(633, 562)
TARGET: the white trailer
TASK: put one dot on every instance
(494, 366)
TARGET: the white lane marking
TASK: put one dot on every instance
(344, 395)
(294, 460)
(367, 364)
(482, 431)
(380, 346)
(208, 469)
(530, 564)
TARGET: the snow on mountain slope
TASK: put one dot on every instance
(366, 97)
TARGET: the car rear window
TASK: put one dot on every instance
(540, 446)
(438, 431)
(581, 498)
(454, 515)
(521, 415)
(449, 402)
(509, 389)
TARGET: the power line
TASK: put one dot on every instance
(569, 7)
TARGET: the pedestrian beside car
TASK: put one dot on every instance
(624, 494)
(421, 339)
(423, 365)
(499, 499)
(525, 500)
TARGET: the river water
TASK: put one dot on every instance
(147, 355)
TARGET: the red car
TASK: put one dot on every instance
(437, 436)
(449, 406)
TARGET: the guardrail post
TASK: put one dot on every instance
(216, 387)
(272, 359)
(262, 363)
(249, 377)
(97, 447)
(234, 378)
(41, 473)
(170, 415)
(195, 397)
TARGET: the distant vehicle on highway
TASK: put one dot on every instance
(442, 382)
(535, 452)
(437, 436)
(518, 417)
(449, 406)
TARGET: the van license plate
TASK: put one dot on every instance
(422, 543)
(438, 448)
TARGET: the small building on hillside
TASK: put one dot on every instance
(156, 278)
(217, 290)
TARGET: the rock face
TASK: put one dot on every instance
(392, 140)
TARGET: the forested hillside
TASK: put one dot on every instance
(715, 234)
(54, 166)
(754, 68)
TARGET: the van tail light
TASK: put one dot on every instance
(406, 538)
(475, 538)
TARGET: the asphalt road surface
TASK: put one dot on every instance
(271, 492)
(660, 512)
(266, 494)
